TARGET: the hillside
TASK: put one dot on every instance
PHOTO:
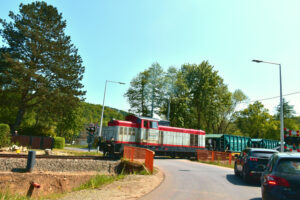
(91, 113)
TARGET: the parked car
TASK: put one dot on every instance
(251, 163)
(281, 178)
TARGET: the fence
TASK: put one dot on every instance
(35, 142)
(205, 155)
(140, 155)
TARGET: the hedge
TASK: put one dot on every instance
(59, 142)
(5, 137)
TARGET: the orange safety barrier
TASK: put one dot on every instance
(141, 155)
(205, 155)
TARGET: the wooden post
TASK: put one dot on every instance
(212, 156)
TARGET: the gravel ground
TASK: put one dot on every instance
(60, 165)
(131, 187)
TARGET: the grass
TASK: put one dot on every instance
(75, 153)
(76, 145)
(98, 181)
(218, 163)
(9, 196)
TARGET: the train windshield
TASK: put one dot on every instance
(153, 125)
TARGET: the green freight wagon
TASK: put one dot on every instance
(224, 142)
(264, 143)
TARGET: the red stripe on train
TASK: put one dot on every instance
(155, 144)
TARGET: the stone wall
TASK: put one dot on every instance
(60, 165)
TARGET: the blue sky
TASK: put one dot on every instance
(119, 39)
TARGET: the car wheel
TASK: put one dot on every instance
(235, 170)
(245, 175)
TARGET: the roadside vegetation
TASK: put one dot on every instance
(9, 196)
(76, 146)
(75, 153)
(95, 182)
(98, 181)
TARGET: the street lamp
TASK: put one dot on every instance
(281, 103)
(100, 130)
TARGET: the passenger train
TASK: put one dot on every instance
(152, 134)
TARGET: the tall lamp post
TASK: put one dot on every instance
(281, 103)
(100, 130)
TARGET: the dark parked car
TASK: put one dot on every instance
(281, 179)
(252, 162)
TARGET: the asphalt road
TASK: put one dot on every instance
(186, 180)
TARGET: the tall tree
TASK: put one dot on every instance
(42, 68)
(146, 91)
(229, 111)
(138, 96)
(209, 95)
(181, 111)
(288, 110)
(256, 122)
(170, 87)
(155, 87)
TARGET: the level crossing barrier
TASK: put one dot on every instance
(141, 155)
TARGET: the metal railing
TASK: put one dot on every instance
(141, 155)
(205, 155)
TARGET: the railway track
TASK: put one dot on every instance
(55, 157)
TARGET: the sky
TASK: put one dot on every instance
(119, 39)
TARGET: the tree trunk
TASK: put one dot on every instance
(19, 119)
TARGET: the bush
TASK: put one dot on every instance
(5, 137)
(59, 142)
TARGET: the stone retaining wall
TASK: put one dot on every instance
(60, 165)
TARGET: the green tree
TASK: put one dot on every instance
(169, 88)
(146, 92)
(209, 95)
(288, 110)
(256, 122)
(41, 69)
(138, 96)
(229, 112)
(181, 113)
(155, 87)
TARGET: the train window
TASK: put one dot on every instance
(145, 124)
(129, 131)
(153, 125)
(196, 140)
(192, 139)
(133, 131)
(121, 131)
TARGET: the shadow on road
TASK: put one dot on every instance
(255, 198)
(238, 181)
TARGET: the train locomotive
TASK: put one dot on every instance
(152, 134)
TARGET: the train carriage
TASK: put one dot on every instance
(150, 133)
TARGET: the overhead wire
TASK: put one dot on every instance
(293, 93)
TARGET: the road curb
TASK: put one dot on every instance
(163, 179)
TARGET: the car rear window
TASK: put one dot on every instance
(262, 154)
(290, 166)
